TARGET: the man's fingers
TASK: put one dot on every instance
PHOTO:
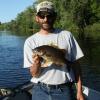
(36, 59)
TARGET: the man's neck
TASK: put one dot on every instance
(46, 32)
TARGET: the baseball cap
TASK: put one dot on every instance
(45, 6)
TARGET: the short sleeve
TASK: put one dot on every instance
(27, 54)
(74, 50)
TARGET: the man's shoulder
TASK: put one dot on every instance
(31, 37)
(64, 32)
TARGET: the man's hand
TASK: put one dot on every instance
(80, 96)
(35, 68)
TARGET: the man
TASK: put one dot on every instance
(52, 83)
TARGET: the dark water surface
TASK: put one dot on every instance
(11, 62)
(91, 63)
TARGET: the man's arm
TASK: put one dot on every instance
(78, 77)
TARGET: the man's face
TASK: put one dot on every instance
(46, 20)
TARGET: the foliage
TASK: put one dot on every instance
(73, 15)
(91, 29)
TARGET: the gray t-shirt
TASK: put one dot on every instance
(53, 74)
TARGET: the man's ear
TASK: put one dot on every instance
(37, 19)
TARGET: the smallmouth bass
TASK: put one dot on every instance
(50, 55)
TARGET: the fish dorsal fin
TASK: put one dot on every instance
(63, 50)
(55, 46)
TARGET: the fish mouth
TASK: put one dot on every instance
(39, 53)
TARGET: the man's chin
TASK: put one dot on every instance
(46, 28)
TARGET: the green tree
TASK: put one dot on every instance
(73, 15)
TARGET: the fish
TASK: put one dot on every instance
(51, 55)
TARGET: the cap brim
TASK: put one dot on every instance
(46, 10)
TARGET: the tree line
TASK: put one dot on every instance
(81, 17)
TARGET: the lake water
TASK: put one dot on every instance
(13, 74)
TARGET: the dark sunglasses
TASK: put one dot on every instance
(48, 15)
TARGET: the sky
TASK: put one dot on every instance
(10, 8)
